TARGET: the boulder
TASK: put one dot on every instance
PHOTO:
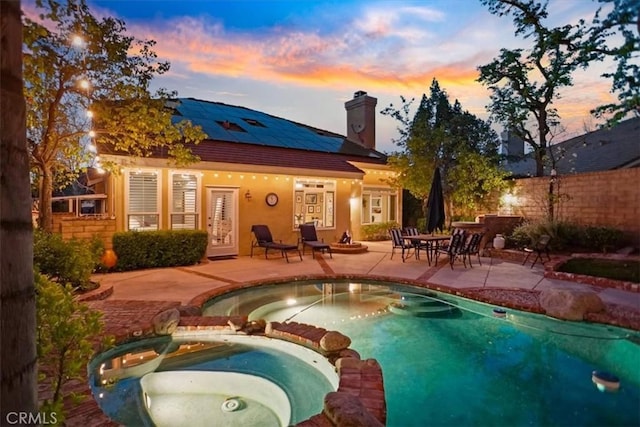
(166, 322)
(570, 304)
(334, 341)
(345, 410)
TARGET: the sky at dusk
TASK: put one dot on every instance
(302, 60)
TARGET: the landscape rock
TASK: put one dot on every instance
(570, 304)
(166, 322)
(334, 341)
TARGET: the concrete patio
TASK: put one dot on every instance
(183, 284)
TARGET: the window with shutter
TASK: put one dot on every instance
(184, 201)
(143, 212)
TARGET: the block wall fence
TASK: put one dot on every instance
(71, 226)
(608, 198)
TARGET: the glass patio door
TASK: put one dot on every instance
(222, 221)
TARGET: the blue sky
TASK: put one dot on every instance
(302, 60)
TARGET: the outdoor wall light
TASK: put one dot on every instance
(247, 195)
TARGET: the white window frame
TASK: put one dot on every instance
(384, 194)
(198, 202)
(325, 200)
(127, 187)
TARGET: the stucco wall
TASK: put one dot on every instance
(608, 198)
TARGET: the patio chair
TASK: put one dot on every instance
(413, 231)
(263, 239)
(472, 247)
(454, 249)
(308, 237)
(541, 246)
(398, 241)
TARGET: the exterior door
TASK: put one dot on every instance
(222, 221)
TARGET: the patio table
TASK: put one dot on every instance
(432, 241)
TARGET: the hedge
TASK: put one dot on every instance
(152, 249)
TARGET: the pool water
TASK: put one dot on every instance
(463, 366)
(117, 380)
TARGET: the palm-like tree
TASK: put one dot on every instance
(17, 295)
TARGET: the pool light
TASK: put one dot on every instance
(605, 381)
(291, 301)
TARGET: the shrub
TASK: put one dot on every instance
(602, 239)
(65, 330)
(378, 231)
(153, 249)
(565, 236)
(70, 261)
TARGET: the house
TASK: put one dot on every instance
(601, 150)
(256, 168)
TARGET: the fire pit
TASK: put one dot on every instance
(348, 248)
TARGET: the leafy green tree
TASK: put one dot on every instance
(66, 330)
(525, 83)
(84, 79)
(623, 21)
(464, 147)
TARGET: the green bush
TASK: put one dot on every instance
(603, 239)
(378, 231)
(65, 332)
(66, 261)
(152, 249)
(565, 236)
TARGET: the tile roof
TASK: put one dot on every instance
(600, 150)
(263, 155)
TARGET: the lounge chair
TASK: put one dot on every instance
(454, 248)
(308, 237)
(541, 246)
(472, 247)
(263, 239)
(399, 242)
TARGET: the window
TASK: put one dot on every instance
(314, 202)
(226, 124)
(254, 122)
(184, 203)
(143, 202)
(379, 205)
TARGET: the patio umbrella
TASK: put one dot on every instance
(435, 204)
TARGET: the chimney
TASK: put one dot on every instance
(361, 119)
(512, 145)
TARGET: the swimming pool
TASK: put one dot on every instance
(197, 378)
(463, 365)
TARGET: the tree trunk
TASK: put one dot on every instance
(18, 388)
(45, 214)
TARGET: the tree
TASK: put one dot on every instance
(17, 300)
(443, 135)
(85, 79)
(524, 83)
(622, 20)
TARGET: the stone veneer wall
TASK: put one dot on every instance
(83, 227)
(607, 198)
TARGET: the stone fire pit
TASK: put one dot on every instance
(348, 248)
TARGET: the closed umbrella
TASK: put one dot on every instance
(435, 204)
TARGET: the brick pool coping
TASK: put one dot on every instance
(132, 320)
